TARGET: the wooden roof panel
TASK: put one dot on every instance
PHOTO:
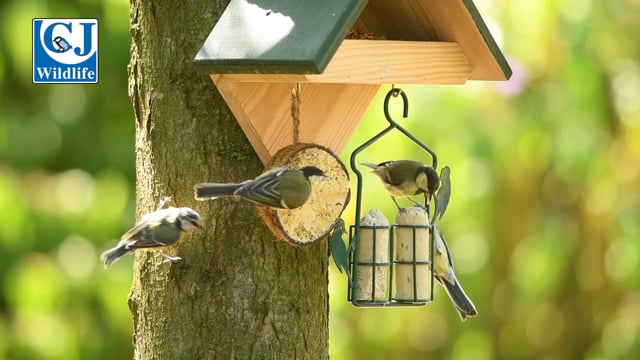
(438, 20)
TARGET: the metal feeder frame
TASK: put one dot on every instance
(354, 230)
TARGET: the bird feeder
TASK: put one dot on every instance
(303, 71)
(390, 264)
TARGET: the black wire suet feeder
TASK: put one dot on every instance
(390, 264)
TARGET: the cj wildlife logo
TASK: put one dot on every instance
(65, 51)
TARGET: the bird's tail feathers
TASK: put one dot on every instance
(463, 304)
(206, 191)
(370, 165)
(111, 255)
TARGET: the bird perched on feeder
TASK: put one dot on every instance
(162, 227)
(406, 178)
(443, 272)
(278, 188)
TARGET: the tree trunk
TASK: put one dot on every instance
(239, 292)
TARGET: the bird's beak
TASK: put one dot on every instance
(427, 198)
(196, 224)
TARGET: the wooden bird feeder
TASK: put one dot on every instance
(305, 71)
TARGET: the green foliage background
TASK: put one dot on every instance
(543, 222)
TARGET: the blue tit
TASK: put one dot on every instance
(162, 227)
(443, 272)
(278, 188)
(444, 193)
(406, 178)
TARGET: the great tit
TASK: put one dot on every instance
(443, 272)
(278, 188)
(162, 227)
(406, 178)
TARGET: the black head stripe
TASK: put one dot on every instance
(190, 216)
(193, 222)
(308, 171)
(433, 181)
(178, 224)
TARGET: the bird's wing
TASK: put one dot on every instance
(264, 189)
(403, 171)
(156, 233)
(445, 275)
(152, 230)
(395, 179)
(134, 231)
(277, 171)
(381, 171)
(443, 250)
(146, 219)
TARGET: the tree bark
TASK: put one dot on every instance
(239, 292)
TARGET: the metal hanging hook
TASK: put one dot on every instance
(392, 125)
(405, 109)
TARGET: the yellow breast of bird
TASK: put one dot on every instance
(404, 190)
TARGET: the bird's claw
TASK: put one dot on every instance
(396, 202)
(415, 202)
(169, 259)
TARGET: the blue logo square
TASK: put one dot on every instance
(65, 51)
